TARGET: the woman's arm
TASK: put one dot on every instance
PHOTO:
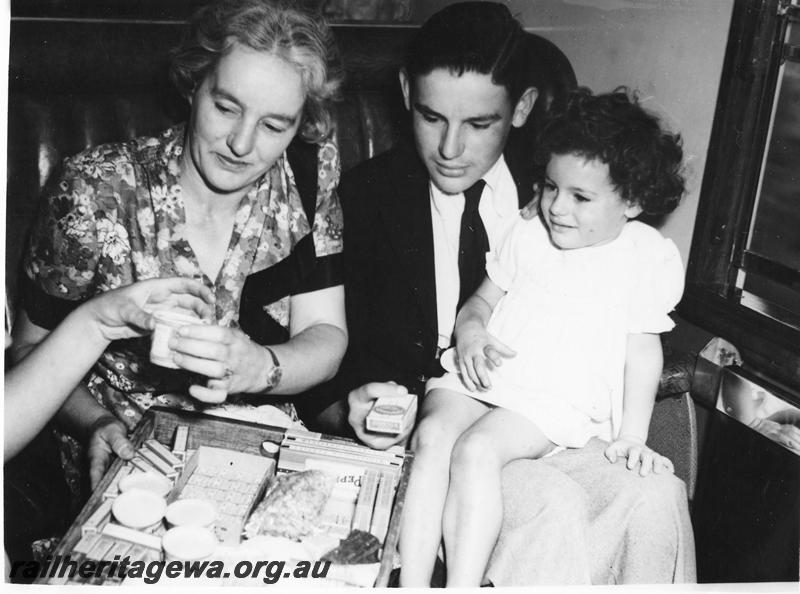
(318, 340)
(236, 364)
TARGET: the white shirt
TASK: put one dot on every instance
(498, 207)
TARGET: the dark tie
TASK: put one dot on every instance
(473, 243)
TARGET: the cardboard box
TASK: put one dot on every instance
(392, 414)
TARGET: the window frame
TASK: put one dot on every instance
(728, 194)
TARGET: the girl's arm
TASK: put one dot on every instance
(478, 351)
(644, 361)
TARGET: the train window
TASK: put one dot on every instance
(743, 279)
(769, 279)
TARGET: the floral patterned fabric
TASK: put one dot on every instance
(117, 216)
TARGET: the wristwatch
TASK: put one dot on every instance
(275, 374)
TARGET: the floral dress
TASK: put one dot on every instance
(116, 216)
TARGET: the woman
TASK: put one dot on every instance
(216, 200)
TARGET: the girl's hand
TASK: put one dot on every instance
(635, 450)
(478, 353)
(233, 363)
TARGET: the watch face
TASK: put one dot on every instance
(275, 376)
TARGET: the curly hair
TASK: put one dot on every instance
(645, 162)
(300, 38)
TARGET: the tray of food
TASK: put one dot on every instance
(211, 498)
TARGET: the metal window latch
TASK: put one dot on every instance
(790, 8)
(716, 355)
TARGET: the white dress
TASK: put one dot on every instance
(567, 314)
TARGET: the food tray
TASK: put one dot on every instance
(214, 432)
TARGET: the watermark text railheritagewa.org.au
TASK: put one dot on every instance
(153, 571)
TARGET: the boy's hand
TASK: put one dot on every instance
(531, 210)
(478, 353)
(636, 452)
(360, 402)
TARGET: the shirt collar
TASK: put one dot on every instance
(498, 179)
(492, 177)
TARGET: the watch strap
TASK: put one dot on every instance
(275, 374)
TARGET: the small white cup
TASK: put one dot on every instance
(166, 322)
(139, 509)
(188, 543)
(148, 481)
(191, 512)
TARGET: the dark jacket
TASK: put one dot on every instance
(390, 284)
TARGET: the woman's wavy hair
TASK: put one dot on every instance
(303, 40)
(645, 162)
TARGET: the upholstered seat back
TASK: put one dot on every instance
(78, 83)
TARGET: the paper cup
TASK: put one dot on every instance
(188, 543)
(147, 481)
(191, 512)
(139, 509)
(166, 322)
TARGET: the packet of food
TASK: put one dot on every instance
(292, 505)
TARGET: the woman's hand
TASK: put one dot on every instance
(107, 436)
(636, 452)
(233, 363)
(478, 353)
(125, 312)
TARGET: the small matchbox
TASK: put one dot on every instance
(162, 452)
(158, 463)
(113, 487)
(98, 519)
(181, 442)
(117, 532)
(392, 414)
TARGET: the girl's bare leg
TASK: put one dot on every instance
(443, 417)
(473, 510)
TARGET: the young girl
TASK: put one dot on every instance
(560, 343)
